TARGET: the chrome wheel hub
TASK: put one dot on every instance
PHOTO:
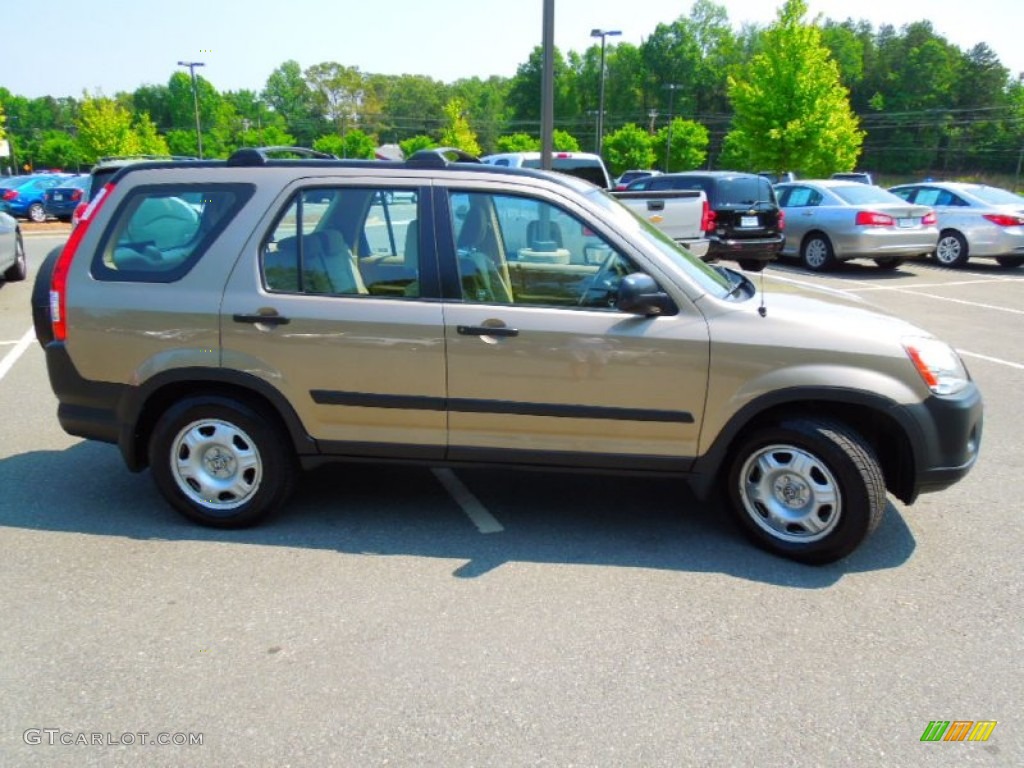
(216, 464)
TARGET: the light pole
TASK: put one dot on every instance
(195, 99)
(603, 34)
(672, 88)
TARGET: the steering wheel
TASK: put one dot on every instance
(601, 278)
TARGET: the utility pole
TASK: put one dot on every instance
(195, 99)
(672, 88)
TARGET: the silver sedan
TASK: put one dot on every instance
(831, 221)
(975, 220)
(13, 265)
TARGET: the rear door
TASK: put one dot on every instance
(327, 305)
(541, 366)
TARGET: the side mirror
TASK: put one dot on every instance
(640, 295)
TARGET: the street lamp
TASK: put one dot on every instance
(195, 99)
(672, 88)
(603, 34)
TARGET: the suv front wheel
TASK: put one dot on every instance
(220, 463)
(806, 489)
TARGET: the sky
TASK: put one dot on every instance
(108, 46)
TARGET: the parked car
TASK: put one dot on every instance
(745, 222)
(279, 328)
(830, 221)
(13, 264)
(778, 178)
(25, 200)
(628, 177)
(861, 177)
(582, 165)
(975, 221)
(61, 201)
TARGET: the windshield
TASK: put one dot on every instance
(996, 196)
(743, 191)
(862, 194)
(709, 279)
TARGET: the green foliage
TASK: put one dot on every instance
(414, 144)
(337, 91)
(518, 142)
(58, 150)
(790, 110)
(355, 144)
(688, 149)
(563, 141)
(628, 147)
(456, 131)
(105, 128)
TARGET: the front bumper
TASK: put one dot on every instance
(948, 439)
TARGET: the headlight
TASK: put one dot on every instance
(939, 365)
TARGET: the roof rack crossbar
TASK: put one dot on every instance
(439, 157)
(261, 155)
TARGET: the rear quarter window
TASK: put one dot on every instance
(159, 232)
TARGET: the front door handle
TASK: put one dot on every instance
(486, 330)
(260, 319)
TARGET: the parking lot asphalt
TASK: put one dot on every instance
(411, 616)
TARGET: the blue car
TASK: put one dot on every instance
(25, 199)
(60, 201)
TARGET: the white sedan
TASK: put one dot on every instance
(13, 265)
(975, 220)
(830, 221)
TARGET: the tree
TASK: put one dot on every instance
(628, 147)
(414, 144)
(337, 91)
(790, 110)
(354, 144)
(289, 95)
(562, 141)
(105, 128)
(518, 142)
(456, 131)
(689, 148)
(59, 150)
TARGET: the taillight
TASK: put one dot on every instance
(79, 210)
(782, 220)
(872, 219)
(929, 218)
(59, 276)
(76, 195)
(707, 218)
(10, 194)
(1004, 219)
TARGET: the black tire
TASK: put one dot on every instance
(806, 489)
(752, 265)
(889, 263)
(37, 213)
(209, 445)
(1010, 261)
(951, 250)
(816, 253)
(19, 269)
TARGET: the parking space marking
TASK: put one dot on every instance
(986, 358)
(873, 287)
(484, 521)
(908, 291)
(19, 349)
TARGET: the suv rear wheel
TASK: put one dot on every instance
(220, 463)
(808, 490)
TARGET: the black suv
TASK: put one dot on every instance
(746, 222)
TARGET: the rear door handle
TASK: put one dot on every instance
(485, 330)
(257, 319)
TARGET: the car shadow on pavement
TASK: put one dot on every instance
(389, 510)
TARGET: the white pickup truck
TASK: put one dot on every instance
(680, 214)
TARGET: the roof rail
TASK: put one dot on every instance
(439, 157)
(261, 155)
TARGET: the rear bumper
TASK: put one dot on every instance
(761, 248)
(886, 241)
(85, 408)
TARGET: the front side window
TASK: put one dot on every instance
(519, 250)
(160, 231)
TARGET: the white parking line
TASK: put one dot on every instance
(965, 353)
(482, 519)
(19, 349)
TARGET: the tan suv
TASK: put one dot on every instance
(227, 322)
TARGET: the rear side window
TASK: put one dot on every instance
(159, 232)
